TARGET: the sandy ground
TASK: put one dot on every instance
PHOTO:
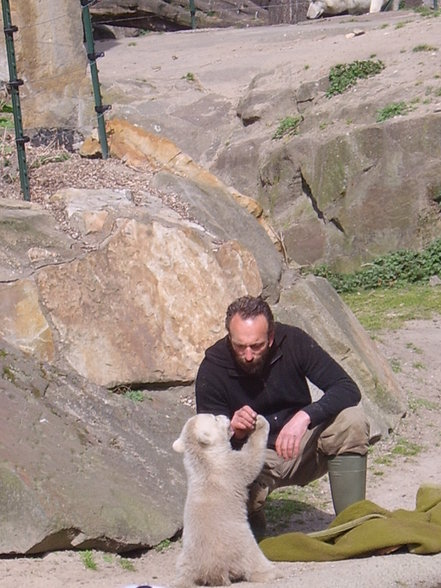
(413, 351)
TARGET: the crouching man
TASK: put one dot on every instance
(262, 367)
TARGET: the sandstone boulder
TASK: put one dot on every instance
(144, 297)
(52, 61)
(82, 467)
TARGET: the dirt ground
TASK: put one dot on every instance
(393, 479)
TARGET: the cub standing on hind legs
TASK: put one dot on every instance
(218, 545)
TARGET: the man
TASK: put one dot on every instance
(262, 367)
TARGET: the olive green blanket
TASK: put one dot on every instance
(364, 529)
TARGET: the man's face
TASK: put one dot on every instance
(250, 342)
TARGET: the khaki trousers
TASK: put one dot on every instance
(348, 432)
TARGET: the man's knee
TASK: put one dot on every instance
(348, 433)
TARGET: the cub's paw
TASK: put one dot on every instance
(261, 423)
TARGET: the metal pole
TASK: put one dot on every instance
(14, 84)
(100, 108)
(193, 14)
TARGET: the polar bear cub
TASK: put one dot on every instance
(218, 545)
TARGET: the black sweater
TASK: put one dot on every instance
(281, 390)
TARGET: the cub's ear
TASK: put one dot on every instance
(179, 445)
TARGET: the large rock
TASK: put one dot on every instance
(220, 209)
(355, 196)
(83, 467)
(52, 60)
(144, 297)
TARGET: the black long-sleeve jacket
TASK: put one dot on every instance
(282, 389)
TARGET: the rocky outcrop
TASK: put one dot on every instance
(52, 61)
(349, 201)
(83, 467)
(147, 320)
(346, 188)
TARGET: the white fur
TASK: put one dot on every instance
(218, 545)
(331, 7)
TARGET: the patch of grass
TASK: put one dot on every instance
(424, 47)
(413, 348)
(8, 374)
(165, 544)
(418, 365)
(390, 308)
(427, 11)
(126, 564)
(285, 503)
(394, 269)
(406, 448)
(135, 395)
(45, 159)
(346, 75)
(385, 460)
(417, 403)
(189, 76)
(6, 119)
(395, 365)
(391, 110)
(88, 560)
(288, 126)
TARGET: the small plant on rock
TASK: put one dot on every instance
(346, 75)
(391, 110)
(424, 47)
(287, 126)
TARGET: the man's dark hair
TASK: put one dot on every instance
(249, 307)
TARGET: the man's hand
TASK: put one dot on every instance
(290, 436)
(243, 422)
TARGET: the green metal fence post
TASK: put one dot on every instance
(100, 108)
(193, 14)
(14, 84)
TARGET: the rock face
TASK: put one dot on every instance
(349, 202)
(346, 188)
(147, 319)
(83, 467)
(52, 62)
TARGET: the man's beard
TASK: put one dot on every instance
(256, 367)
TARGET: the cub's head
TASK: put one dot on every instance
(204, 431)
